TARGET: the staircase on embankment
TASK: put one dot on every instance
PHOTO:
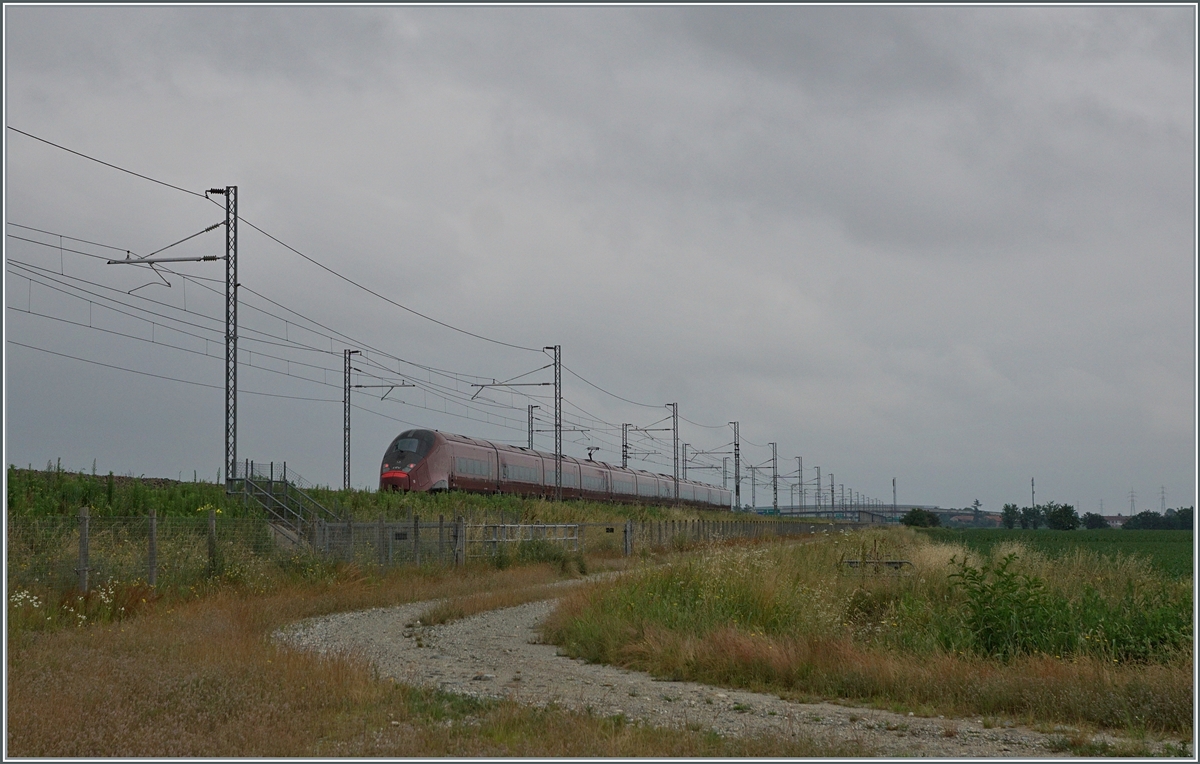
(283, 496)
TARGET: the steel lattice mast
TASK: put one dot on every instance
(675, 450)
(557, 420)
(231, 335)
(737, 469)
(346, 430)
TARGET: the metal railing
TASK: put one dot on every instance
(282, 494)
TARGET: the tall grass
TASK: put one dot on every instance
(1076, 639)
(54, 491)
(202, 678)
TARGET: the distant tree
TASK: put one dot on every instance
(1175, 519)
(975, 505)
(1093, 521)
(1147, 521)
(1010, 515)
(1031, 517)
(921, 518)
(1183, 518)
(1060, 517)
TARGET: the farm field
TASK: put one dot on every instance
(1169, 551)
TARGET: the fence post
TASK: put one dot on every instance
(212, 541)
(441, 539)
(628, 538)
(82, 570)
(350, 534)
(460, 541)
(416, 538)
(152, 574)
(382, 542)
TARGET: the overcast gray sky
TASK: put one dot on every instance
(954, 246)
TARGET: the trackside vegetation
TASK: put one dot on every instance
(188, 668)
(1075, 637)
(57, 492)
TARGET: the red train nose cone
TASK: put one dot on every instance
(397, 479)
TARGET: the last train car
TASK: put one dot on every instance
(427, 460)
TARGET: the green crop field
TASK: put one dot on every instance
(1169, 551)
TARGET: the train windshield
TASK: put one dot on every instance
(408, 448)
(406, 444)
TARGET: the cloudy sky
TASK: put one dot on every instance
(954, 246)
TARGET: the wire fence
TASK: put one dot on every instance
(72, 553)
(76, 552)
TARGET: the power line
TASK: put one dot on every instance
(606, 392)
(283, 244)
(287, 341)
(388, 300)
(106, 164)
(170, 379)
(62, 235)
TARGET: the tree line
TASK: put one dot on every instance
(1063, 517)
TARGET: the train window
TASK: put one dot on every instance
(418, 442)
(465, 466)
(406, 444)
(520, 473)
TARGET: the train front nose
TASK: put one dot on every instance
(396, 480)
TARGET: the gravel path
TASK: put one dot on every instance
(497, 654)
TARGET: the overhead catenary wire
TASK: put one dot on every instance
(333, 335)
(611, 426)
(331, 271)
(285, 245)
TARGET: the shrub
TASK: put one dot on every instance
(1010, 516)
(1060, 517)
(1093, 521)
(921, 518)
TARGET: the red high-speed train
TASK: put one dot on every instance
(427, 460)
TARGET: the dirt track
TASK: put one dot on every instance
(498, 654)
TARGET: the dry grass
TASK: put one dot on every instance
(463, 607)
(201, 678)
(791, 621)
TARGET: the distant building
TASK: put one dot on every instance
(1115, 521)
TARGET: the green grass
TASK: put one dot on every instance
(1074, 637)
(58, 492)
(1169, 551)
